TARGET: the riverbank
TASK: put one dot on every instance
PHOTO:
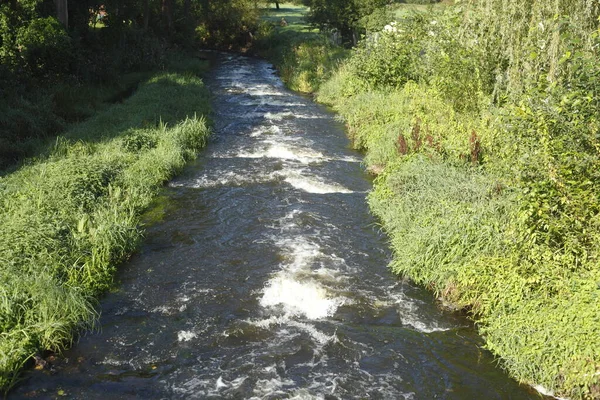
(70, 217)
(487, 202)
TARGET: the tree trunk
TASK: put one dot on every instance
(186, 9)
(146, 14)
(62, 11)
(277, 5)
(167, 11)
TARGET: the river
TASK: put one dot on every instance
(266, 278)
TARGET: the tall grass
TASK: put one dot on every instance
(68, 219)
(482, 125)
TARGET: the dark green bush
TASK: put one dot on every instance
(45, 47)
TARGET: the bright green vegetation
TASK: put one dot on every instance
(401, 10)
(69, 218)
(480, 120)
(303, 57)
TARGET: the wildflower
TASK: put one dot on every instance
(389, 28)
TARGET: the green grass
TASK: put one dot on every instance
(293, 15)
(303, 57)
(402, 10)
(69, 218)
(28, 124)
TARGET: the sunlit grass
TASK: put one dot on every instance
(303, 56)
(402, 10)
(69, 218)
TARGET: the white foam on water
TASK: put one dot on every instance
(264, 100)
(314, 333)
(201, 388)
(296, 290)
(301, 252)
(268, 130)
(304, 394)
(408, 312)
(307, 299)
(185, 336)
(237, 74)
(348, 159)
(283, 152)
(547, 392)
(313, 184)
(305, 156)
(228, 178)
(280, 116)
(268, 388)
(220, 384)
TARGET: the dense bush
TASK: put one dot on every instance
(228, 25)
(45, 46)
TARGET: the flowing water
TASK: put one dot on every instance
(267, 279)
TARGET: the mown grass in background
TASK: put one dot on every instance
(303, 57)
(402, 10)
(68, 219)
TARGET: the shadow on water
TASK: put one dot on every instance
(263, 276)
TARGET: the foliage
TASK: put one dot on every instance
(47, 68)
(228, 24)
(304, 58)
(342, 15)
(45, 46)
(524, 37)
(485, 143)
(70, 218)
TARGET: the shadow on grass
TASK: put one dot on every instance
(169, 97)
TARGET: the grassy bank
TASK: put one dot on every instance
(28, 122)
(70, 217)
(487, 156)
(304, 58)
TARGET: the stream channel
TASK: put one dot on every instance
(266, 278)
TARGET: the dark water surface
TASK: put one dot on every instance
(267, 279)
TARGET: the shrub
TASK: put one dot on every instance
(45, 46)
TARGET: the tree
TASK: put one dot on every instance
(167, 11)
(342, 15)
(62, 11)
